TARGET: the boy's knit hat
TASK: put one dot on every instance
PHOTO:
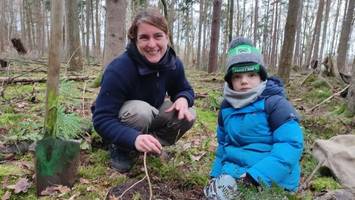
(244, 57)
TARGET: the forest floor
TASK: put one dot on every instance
(182, 172)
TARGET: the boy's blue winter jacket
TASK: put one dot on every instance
(262, 139)
(128, 78)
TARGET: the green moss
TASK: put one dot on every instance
(324, 183)
(206, 119)
(8, 169)
(100, 156)
(92, 172)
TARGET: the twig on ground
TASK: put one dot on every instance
(305, 184)
(146, 176)
(304, 80)
(327, 99)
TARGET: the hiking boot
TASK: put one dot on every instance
(122, 160)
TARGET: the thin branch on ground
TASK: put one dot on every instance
(327, 99)
(305, 184)
(146, 176)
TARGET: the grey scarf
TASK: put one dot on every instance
(241, 99)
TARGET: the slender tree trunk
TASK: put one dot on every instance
(265, 33)
(74, 55)
(351, 92)
(199, 34)
(205, 34)
(256, 24)
(318, 29)
(345, 36)
(289, 41)
(216, 18)
(274, 37)
(98, 27)
(115, 39)
(53, 68)
(2, 24)
(166, 15)
(230, 25)
(87, 25)
(92, 25)
(313, 50)
(335, 25)
(325, 27)
(297, 56)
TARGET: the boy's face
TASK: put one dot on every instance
(243, 82)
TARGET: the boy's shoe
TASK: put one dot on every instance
(122, 160)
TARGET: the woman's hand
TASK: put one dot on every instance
(182, 107)
(147, 143)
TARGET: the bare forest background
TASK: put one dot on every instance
(318, 31)
(310, 44)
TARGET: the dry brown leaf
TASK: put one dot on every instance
(74, 196)
(22, 185)
(84, 181)
(54, 189)
(6, 196)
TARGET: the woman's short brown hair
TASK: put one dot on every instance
(150, 16)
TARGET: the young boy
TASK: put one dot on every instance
(259, 137)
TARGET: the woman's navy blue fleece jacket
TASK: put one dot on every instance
(128, 78)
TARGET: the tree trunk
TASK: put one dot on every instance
(216, 18)
(351, 92)
(115, 39)
(315, 55)
(166, 15)
(335, 25)
(73, 55)
(199, 34)
(313, 50)
(325, 26)
(289, 41)
(87, 25)
(273, 54)
(230, 25)
(256, 24)
(98, 27)
(53, 68)
(345, 36)
(297, 56)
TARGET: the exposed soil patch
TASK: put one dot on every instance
(161, 190)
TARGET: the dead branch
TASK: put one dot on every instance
(308, 75)
(327, 99)
(305, 184)
(27, 80)
(201, 96)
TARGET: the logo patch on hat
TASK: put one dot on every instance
(241, 49)
(245, 68)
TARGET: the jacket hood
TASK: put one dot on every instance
(274, 86)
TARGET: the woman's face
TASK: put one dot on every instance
(152, 42)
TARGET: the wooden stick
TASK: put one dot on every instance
(304, 80)
(327, 99)
(24, 80)
(309, 178)
(146, 176)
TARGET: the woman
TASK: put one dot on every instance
(131, 110)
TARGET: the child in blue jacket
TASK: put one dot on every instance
(260, 140)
